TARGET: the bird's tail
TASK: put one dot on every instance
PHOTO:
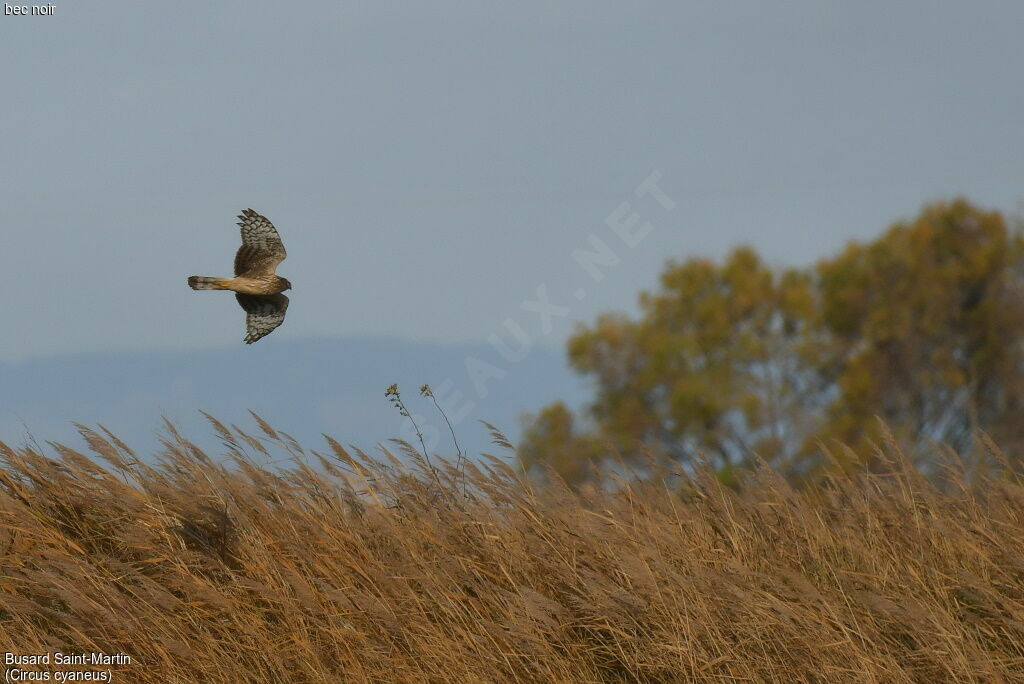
(205, 283)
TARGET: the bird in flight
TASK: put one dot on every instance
(256, 285)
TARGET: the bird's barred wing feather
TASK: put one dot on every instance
(262, 249)
(262, 314)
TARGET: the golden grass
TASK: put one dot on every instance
(340, 567)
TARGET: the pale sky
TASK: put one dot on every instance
(429, 166)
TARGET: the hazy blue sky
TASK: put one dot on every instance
(431, 164)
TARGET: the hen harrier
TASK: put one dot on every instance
(256, 286)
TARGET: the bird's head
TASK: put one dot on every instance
(287, 284)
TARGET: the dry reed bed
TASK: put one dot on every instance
(340, 567)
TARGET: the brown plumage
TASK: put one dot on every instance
(257, 286)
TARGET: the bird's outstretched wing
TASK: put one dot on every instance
(263, 313)
(262, 249)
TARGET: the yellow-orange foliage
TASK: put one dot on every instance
(923, 327)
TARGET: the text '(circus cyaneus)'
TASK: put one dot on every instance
(256, 285)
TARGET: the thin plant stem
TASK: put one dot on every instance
(396, 399)
(427, 392)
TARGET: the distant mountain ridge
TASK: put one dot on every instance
(304, 388)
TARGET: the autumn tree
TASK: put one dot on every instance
(721, 360)
(929, 319)
(921, 328)
(553, 439)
